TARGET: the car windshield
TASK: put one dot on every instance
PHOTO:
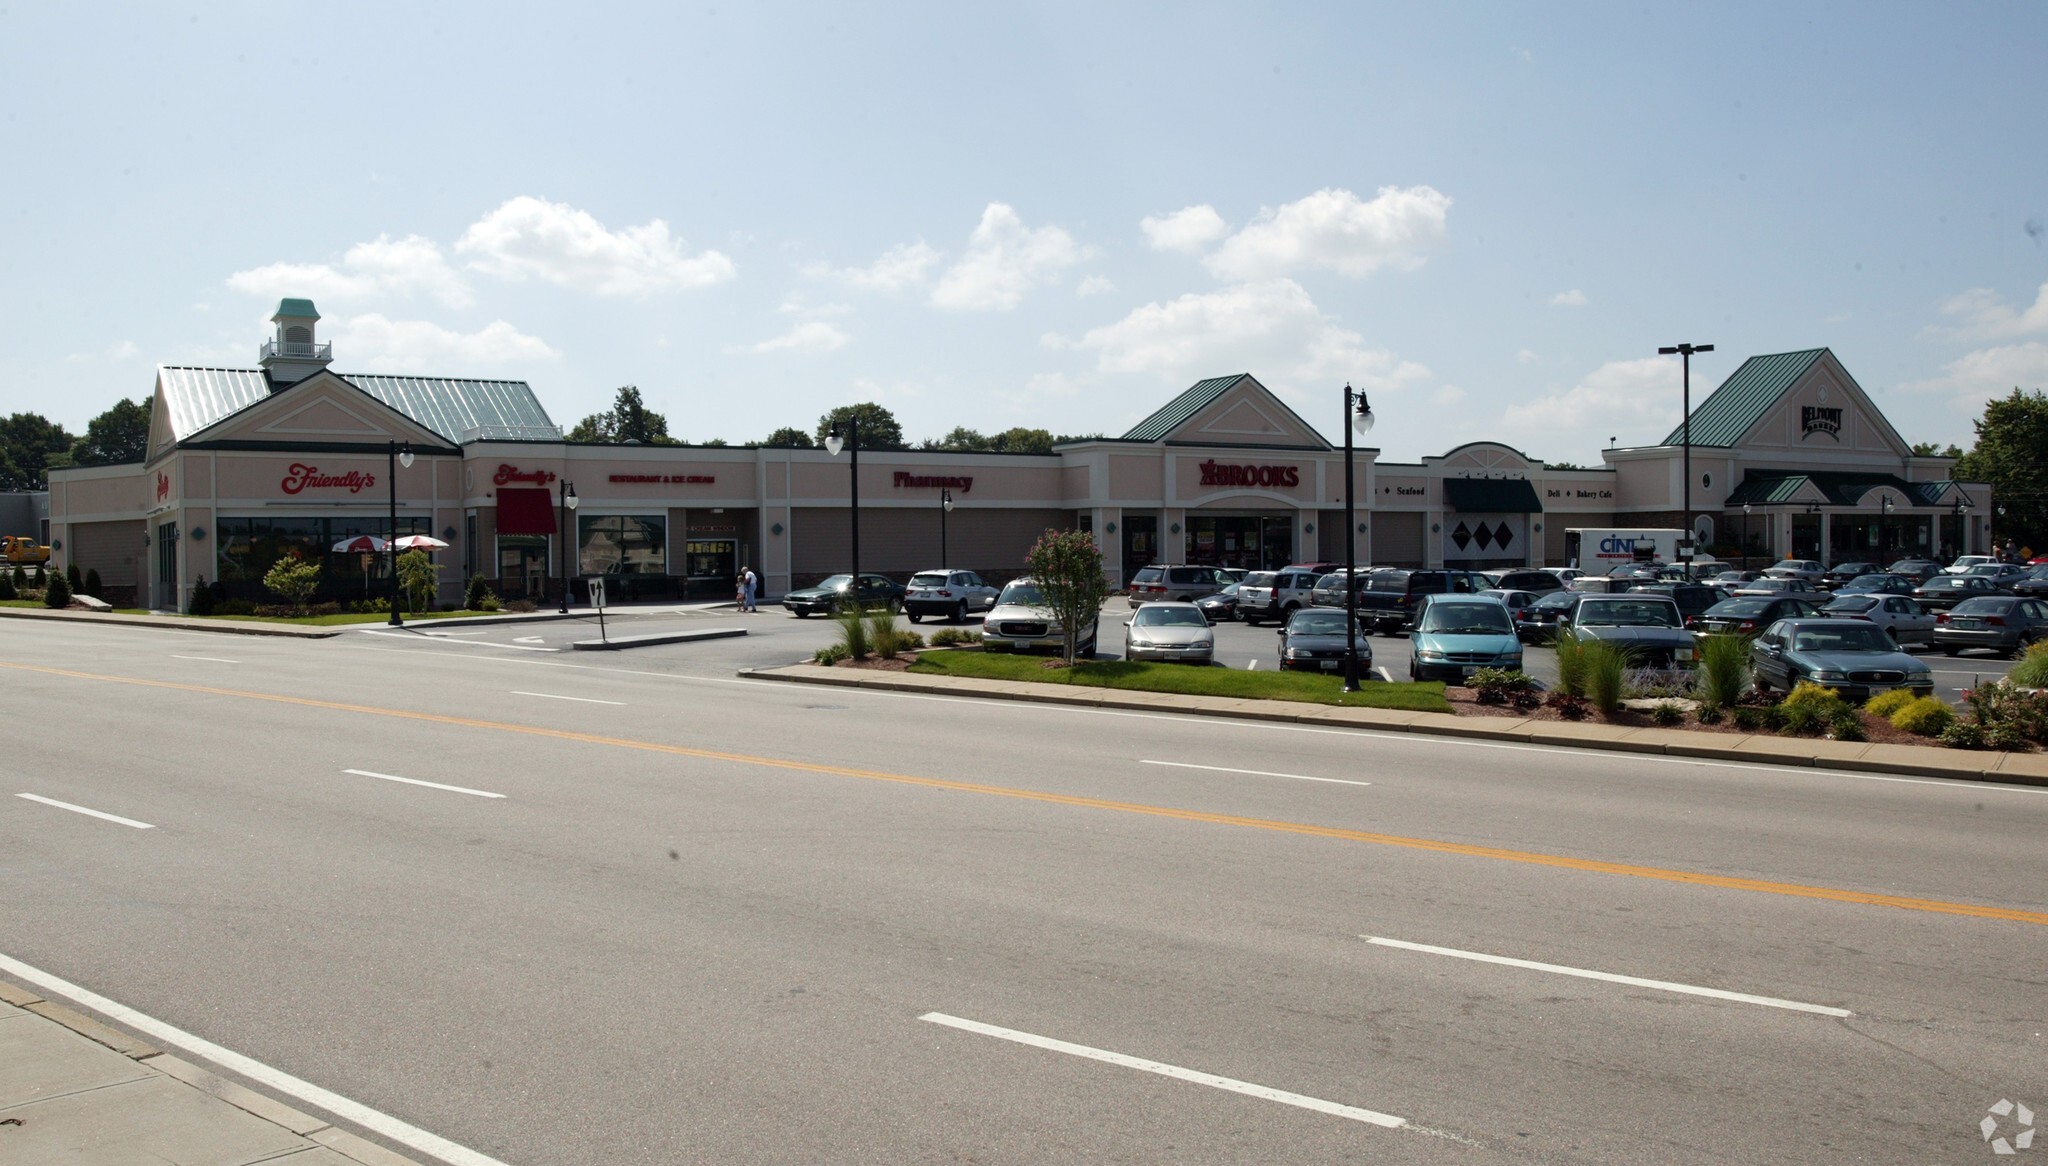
(1387, 581)
(1864, 639)
(1742, 608)
(1022, 594)
(1851, 603)
(1316, 623)
(1862, 581)
(1467, 619)
(1946, 583)
(1627, 614)
(1259, 579)
(835, 583)
(1558, 601)
(1159, 615)
(1983, 607)
(928, 579)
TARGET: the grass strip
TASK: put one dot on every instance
(1188, 679)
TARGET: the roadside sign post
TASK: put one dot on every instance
(597, 601)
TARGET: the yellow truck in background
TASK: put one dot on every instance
(20, 548)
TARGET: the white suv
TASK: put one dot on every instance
(1280, 593)
(952, 594)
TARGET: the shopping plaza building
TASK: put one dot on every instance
(1789, 458)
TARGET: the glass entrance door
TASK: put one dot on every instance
(523, 566)
(167, 566)
(712, 565)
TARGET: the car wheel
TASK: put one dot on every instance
(1762, 686)
(1951, 650)
(960, 612)
(802, 614)
(916, 617)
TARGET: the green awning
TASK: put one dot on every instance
(1492, 496)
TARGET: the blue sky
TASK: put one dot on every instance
(1490, 216)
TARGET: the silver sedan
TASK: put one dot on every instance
(1169, 631)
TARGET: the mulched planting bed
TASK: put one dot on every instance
(1465, 704)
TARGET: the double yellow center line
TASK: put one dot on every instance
(1663, 874)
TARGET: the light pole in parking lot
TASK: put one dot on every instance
(569, 501)
(401, 455)
(849, 440)
(1745, 536)
(1684, 352)
(1357, 416)
(1884, 517)
(945, 508)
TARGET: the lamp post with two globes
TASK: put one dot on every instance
(1357, 416)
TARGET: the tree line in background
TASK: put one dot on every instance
(32, 445)
(630, 420)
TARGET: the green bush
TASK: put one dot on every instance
(853, 633)
(94, 588)
(2032, 670)
(1708, 714)
(886, 641)
(1847, 725)
(829, 655)
(418, 577)
(1747, 717)
(2005, 738)
(20, 579)
(908, 641)
(1668, 712)
(1927, 716)
(479, 597)
(1962, 735)
(57, 592)
(201, 602)
(1884, 704)
(1724, 668)
(293, 577)
(73, 578)
(947, 637)
(1498, 685)
(235, 607)
(1568, 706)
(1571, 664)
(1825, 701)
(7, 590)
(2021, 712)
(1606, 673)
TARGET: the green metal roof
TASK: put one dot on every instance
(1492, 496)
(1744, 397)
(1777, 487)
(1189, 403)
(297, 309)
(459, 410)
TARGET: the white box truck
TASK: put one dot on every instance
(1597, 549)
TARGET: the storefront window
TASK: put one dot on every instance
(623, 544)
(1253, 542)
(246, 549)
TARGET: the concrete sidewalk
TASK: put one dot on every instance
(75, 1092)
(1760, 748)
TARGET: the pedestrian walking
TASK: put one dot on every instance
(747, 585)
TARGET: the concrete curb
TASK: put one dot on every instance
(176, 622)
(620, 643)
(1918, 760)
(315, 1131)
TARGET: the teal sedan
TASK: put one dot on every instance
(1457, 635)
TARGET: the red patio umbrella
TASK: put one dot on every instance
(419, 542)
(361, 544)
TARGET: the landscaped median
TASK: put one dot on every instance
(971, 673)
(1180, 679)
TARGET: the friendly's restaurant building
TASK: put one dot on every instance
(246, 465)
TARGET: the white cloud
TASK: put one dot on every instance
(1569, 299)
(796, 305)
(1272, 329)
(871, 389)
(377, 344)
(1094, 285)
(378, 269)
(1527, 356)
(901, 266)
(1981, 314)
(1620, 397)
(809, 336)
(1334, 229)
(1005, 259)
(118, 351)
(1990, 372)
(1189, 229)
(531, 238)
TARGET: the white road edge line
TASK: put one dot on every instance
(446, 642)
(208, 659)
(454, 789)
(1262, 1092)
(1252, 772)
(1610, 977)
(405, 1134)
(83, 810)
(553, 696)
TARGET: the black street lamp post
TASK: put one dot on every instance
(1684, 352)
(569, 501)
(850, 441)
(1884, 521)
(945, 508)
(1745, 536)
(1358, 416)
(400, 454)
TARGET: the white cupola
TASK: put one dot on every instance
(294, 353)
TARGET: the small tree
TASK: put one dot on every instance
(72, 577)
(295, 579)
(7, 590)
(479, 597)
(419, 575)
(1067, 566)
(57, 593)
(20, 577)
(93, 587)
(201, 602)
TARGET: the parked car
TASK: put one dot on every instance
(1537, 623)
(1639, 572)
(1918, 570)
(1457, 635)
(1220, 607)
(836, 592)
(1602, 584)
(1693, 599)
(1313, 640)
(1879, 584)
(1964, 562)
(1169, 630)
(1806, 569)
(1851, 656)
(1174, 584)
(2005, 624)
(1775, 586)
(1648, 626)
(1516, 602)
(949, 593)
(1563, 575)
(1022, 622)
(1288, 590)
(2002, 575)
(2033, 585)
(1525, 579)
(1745, 614)
(1733, 579)
(1234, 574)
(1389, 597)
(1901, 618)
(1842, 573)
(1945, 591)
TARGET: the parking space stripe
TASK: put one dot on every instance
(89, 813)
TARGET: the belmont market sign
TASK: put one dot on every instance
(304, 477)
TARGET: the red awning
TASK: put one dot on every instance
(525, 510)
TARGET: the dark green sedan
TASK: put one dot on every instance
(1852, 656)
(836, 592)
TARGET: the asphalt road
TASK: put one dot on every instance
(719, 920)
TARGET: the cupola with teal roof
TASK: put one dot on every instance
(294, 352)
